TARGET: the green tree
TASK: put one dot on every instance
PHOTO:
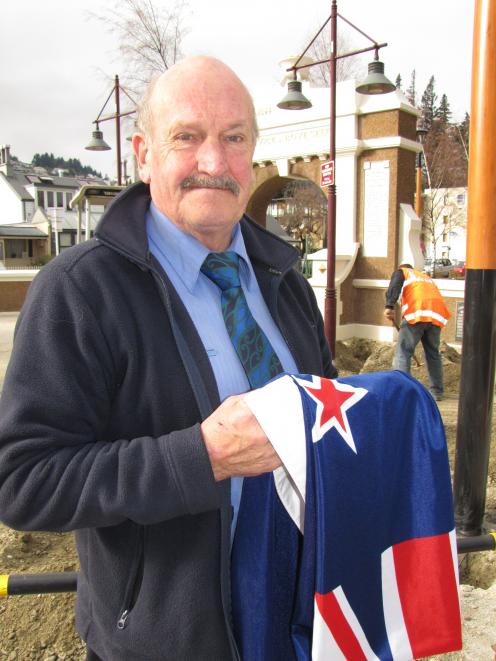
(73, 165)
(398, 82)
(428, 103)
(411, 93)
(443, 111)
(463, 133)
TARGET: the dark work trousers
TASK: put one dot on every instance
(91, 656)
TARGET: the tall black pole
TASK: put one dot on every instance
(479, 327)
(330, 292)
(118, 130)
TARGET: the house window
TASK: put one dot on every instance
(65, 239)
(68, 198)
(15, 247)
(60, 200)
(40, 196)
(460, 199)
(50, 204)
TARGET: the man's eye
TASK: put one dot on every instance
(185, 137)
(235, 138)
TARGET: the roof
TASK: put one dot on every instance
(95, 194)
(17, 183)
(23, 174)
(21, 232)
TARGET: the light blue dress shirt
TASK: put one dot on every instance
(181, 257)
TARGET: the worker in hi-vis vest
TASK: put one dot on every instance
(424, 314)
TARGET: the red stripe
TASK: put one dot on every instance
(338, 625)
(428, 594)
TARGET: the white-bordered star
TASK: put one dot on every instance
(333, 400)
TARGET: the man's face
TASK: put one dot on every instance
(198, 158)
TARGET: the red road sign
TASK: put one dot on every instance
(327, 173)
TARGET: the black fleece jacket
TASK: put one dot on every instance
(99, 433)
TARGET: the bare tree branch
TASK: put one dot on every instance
(149, 35)
(302, 212)
(348, 67)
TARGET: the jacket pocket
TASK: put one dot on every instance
(133, 585)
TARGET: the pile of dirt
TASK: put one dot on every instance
(358, 356)
(41, 627)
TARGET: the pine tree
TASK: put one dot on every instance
(398, 82)
(443, 112)
(411, 93)
(463, 133)
(72, 165)
(428, 103)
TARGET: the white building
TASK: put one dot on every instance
(445, 212)
(35, 215)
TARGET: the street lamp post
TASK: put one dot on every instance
(375, 83)
(97, 143)
(421, 131)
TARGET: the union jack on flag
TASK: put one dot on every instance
(347, 551)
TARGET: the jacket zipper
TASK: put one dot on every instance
(135, 585)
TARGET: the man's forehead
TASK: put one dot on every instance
(187, 121)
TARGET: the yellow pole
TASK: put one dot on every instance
(481, 215)
(473, 440)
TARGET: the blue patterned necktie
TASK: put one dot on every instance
(255, 352)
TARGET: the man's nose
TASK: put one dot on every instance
(211, 157)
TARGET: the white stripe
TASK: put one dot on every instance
(277, 407)
(412, 277)
(426, 313)
(393, 613)
(454, 556)
(324, 647)
(352, 620)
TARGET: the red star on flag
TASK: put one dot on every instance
(333, 400)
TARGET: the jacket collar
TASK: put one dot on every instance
(123, 228)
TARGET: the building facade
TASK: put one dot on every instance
(36, 218)
(376, 225)
(445, 223)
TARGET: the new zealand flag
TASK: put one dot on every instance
(347, 551)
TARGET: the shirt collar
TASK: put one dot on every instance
(183, 252)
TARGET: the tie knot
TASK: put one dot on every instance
(222, 268)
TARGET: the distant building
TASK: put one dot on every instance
(445, 214)
(36, 220)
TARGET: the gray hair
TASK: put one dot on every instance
(144, 121)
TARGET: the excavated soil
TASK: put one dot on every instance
(41, 627)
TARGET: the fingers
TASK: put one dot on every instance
(235, 442)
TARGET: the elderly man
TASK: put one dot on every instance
(121, 416)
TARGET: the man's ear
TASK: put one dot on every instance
(142, 153)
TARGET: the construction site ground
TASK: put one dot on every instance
(41, 627)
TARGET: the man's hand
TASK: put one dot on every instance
(389, 314)
(235, 442)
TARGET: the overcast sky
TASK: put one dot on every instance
(57, 65)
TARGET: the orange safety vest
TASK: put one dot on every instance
(421, 300)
